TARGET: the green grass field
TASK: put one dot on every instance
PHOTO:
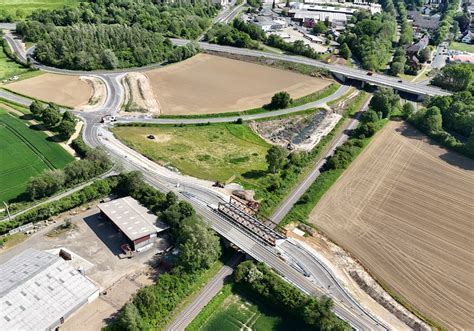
(462, 47)
(236, 310)
(9, 68)
(25, 152)
(214, 152)
(21, 8)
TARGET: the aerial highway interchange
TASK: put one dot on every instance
(291, 260)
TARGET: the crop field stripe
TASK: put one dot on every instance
(30, 146)
(51, 151)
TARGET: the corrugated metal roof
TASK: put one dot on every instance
(134, 220)
(38, 289)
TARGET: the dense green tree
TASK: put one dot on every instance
(51, 115)
(198, 245)
(47, 183)
(280, 100)
(384, 101)
(276, 157)
(129, 318)
(454, 77)
(345, 51)
(397, 68)
(369, 116)
(424, 55)
(469, 146)
(432, 120)
(319, 28)
(408, 109)
(36, 108)
(66, 128)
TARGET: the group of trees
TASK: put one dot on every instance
(228, 35)
(406, 29)
(448, 9)
(454, 77)
(244, 35)
(317, 313)
(114, 34)
(449, 120)
(369, 38)
(52, 181)
(50, 115)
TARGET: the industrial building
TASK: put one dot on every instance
(137, 223)
(40, 290)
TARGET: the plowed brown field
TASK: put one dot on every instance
(405, 209)
(64, 90)
(207, 84)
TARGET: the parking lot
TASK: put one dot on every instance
(97, 242)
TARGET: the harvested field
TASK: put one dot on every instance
(64, 90)
(404, 209)
(208, 84)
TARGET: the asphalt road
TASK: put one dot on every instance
(315, 104)
(189, 313)
(293, 267)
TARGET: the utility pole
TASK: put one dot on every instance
(8, 211)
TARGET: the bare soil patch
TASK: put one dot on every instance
(139, 96)
(208, 84)
(404, 209)
(99, 93)
(301, 132)
(64, 90)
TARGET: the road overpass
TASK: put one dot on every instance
(341, 72)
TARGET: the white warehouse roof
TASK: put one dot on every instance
(134, 220)
(37, 289)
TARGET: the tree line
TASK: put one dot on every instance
(317, 313)
(51, 181)
(50, 115)
(111, 34)
(448, 10)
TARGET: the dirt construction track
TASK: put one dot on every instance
(405, 209)
(207, 84)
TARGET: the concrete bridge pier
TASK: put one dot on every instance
(340, 77)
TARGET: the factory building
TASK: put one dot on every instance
(40, 290)
(137, 223)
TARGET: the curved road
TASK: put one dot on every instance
(202, 196)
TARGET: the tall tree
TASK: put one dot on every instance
(275, 157)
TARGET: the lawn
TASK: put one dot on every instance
(25, 152)
(21, 8)
(462, 47)
(236, 309)
(215, 152)
(9, 68)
